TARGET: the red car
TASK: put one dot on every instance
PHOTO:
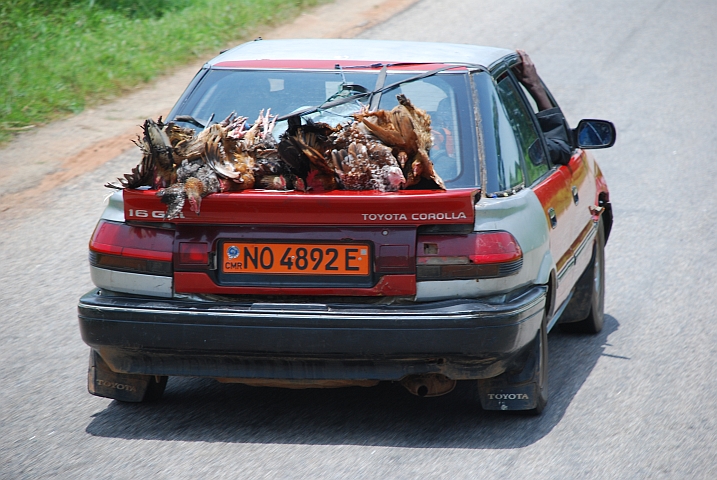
(425, 285)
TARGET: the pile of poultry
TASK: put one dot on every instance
(381, 150)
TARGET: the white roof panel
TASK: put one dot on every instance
(363, 50)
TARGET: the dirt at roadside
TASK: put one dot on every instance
(36, 161)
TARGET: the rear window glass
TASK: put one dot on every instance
(247, 92)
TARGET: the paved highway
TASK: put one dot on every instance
(635, 401)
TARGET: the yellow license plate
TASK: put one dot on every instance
(293, 258)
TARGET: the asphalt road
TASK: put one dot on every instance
(636, 401)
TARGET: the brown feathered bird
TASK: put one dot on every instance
(358, 170)
(407, 130)
(362, 162)
(306, 149)
(235, 150)
(157, 168)
(196, 180)
(181, 139)
(174, 197)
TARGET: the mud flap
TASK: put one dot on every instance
(514, 390)
(508, 397)
(103, 382)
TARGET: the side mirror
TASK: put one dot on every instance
(595, 134)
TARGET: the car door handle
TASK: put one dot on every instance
(553, 217)
(576, 197)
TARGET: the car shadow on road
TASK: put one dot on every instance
(386, 415)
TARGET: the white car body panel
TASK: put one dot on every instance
(135, 283)
(520, 214)
(363, 50)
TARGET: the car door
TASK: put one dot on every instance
(580, 173)
(556, 186)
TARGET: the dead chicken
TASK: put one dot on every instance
(357, 170)
(196, 180)
(272, 173)
(156, 143)
(181, 138)
(362, 162)
(199, 186)
(157, 168)
(317, 182)
(389, 178)
(353, 167)
(306, 149)
(235, 150)
(270, 164)
(420, 119)
(174, 197)
(407, 130)
(230, 163)
(275, 182)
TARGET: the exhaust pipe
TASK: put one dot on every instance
(428, 385)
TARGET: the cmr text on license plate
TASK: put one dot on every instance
(292, 258)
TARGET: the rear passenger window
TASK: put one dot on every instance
(440, 100)
(531, 146)
(510, 172)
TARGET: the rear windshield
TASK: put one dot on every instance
(444, 96)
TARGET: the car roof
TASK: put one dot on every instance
(340, 50)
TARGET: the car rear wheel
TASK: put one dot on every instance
(592, 285)
(155, 389)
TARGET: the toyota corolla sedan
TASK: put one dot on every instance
(492, 233)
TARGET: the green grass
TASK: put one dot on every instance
(57, 57)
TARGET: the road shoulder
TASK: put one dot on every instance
(36, 161)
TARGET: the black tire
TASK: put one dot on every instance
(155, 389)
(592, 280)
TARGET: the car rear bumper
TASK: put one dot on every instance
(460, 339)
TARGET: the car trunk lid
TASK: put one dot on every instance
(341, 243)
(340, 207)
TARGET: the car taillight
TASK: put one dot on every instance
(128, 248)
(193, 253)
(474, 255)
